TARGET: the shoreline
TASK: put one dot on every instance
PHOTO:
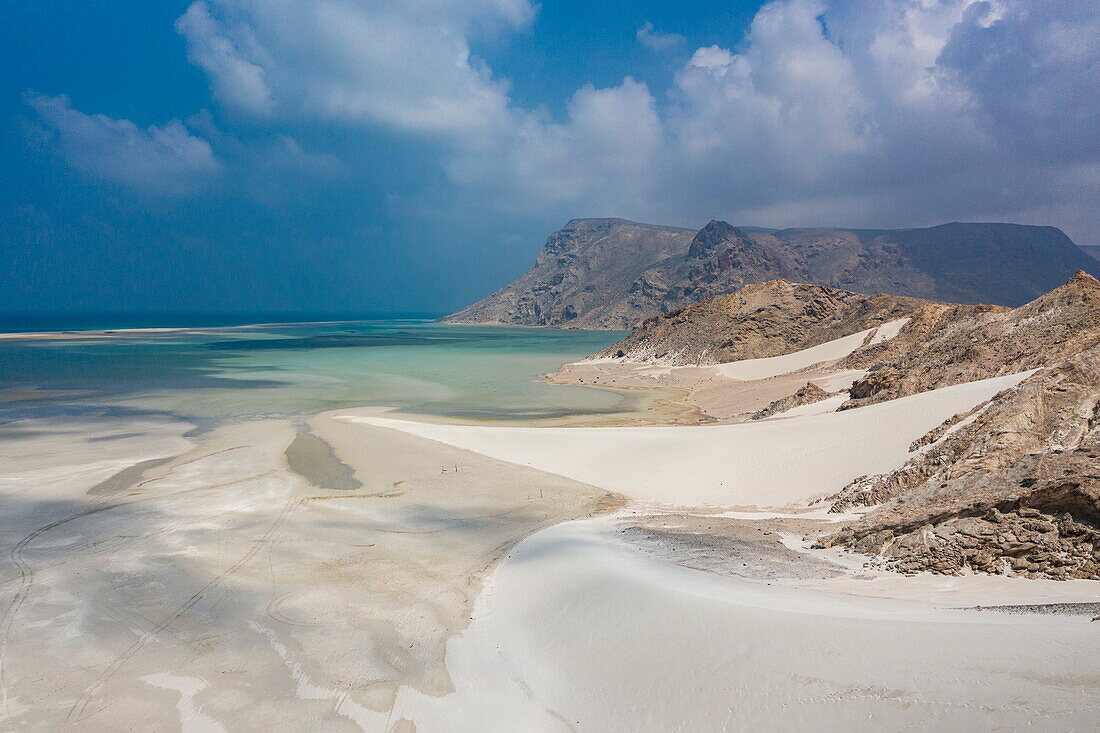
(706, 393)
(106, 332)
(355, 589)
(384, 567)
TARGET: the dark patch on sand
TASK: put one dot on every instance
(1059, 609)
(117, 436)
(127, 477)
(314, 460)
(724, 546)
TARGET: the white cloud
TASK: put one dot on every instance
(166, 160)
(224, 54)
(657, 41)
(877, 113)
(714, 58)
(854, 112)
(402, 64)
(786, 106)
(602, 155)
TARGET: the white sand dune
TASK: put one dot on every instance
(767, 463)
(774, 366)
(888, 330)
(840, 381)
(577, 631)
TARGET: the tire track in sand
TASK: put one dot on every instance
(78, 713)
(26, 572)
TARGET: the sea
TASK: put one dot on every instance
(224, 368)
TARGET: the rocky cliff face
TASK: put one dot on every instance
(583, 277)
(611, 273)
(1015, 490)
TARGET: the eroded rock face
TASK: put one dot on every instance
(612, 273)
(1041, 333)
(1012, 488)
(1023, 540)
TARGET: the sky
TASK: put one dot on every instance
(413, 155)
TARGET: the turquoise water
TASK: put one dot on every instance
(476, 372)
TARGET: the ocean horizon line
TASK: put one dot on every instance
(35, 322)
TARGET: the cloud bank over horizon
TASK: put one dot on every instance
(873, 113)
(858, 111)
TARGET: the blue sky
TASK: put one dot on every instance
(414, 154)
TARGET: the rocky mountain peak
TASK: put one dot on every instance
(722, 259)
(714, 235)
(1081, 280)
(1081, 292)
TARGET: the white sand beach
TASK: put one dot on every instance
(577, 630)
(364, 570)
(768, 463)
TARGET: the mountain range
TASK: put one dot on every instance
(614, 274)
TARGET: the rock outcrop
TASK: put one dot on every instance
(612, 273)
(777, 317)
(807, 395)
(1013, 488)
(1044, 332)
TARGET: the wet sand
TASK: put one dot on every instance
(314, 460)
(220, 583)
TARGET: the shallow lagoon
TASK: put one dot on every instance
(205, 376)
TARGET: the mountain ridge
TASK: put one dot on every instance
(613, 273)
(773, 318)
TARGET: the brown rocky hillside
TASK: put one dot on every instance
(1016, 490)
(778, 317)
(1044, 332)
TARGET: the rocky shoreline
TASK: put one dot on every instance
(1010, 487)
